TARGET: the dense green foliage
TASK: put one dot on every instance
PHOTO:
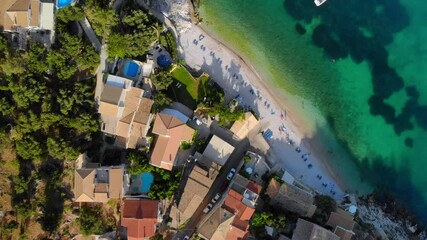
(133, 35)
(161, 101)
(226, 117)
(162, 80)
(91, 220)
(167, 40)
(101, 18)
(47, 114)
(325, 205)
(268, 219)
(165, 183)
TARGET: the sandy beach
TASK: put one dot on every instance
(304, 159)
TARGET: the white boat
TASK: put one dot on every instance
(319, 2)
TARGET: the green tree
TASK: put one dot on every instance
(226, 117)
(59, 148)
(37, 59)
(49, 119)
(325, 204)
(3, 44)
(158, 236)
(161, 101)
(84, 123)
(60, 63)
(13, 63)
(102, 20)
(117, 45)
(90, 220)
(6, 108)
(268, 219)
(162, 80)
(88, 59)
(29, 148)
(20, 184)
(26, 90)
(138, 19)
(70, 13)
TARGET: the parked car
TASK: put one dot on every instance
(208, 208)
(231, 174)
(186, 237)
(216, 198)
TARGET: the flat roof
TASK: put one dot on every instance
(218, 150)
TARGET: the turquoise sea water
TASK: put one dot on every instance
(362, 65)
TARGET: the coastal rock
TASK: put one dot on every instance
(394, 228)
(178, 11)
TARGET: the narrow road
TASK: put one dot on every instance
(233, 162)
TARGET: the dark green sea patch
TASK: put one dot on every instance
(361, 30)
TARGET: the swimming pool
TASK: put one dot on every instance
(63, 3)
(146, 182)
(131, 69)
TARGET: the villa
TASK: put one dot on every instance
(308, 230)
(125, 112)
(231, 220)
(241, 128)
(93, 183)
(171, 130)
(291, 198)
(218, 150)
(196, 188)
(140, 218)
(24, 18)
(342, 223)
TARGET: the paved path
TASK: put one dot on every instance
(90, 34)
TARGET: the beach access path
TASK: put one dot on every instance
(237, 77)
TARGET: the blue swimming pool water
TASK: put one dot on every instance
(131, 69)
(146, 181)
(63, 3)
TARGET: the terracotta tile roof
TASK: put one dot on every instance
(111, 94)
(306, 230)
(343, 233)
(273, 188)
(116, 183)
(196, 188)
(84, 185)
(254, 187)
(132, 100)
(345, 220)
(138, 131)
(164, 122)
(144, 111)
(240, 225)
(87, 189)
(108, 109)
(241, 128)
(218, 150)
(20, 6)
(6, 22)
(236, 233)
(247, 214)
(171, 132)
(140, 218)
(35, 12)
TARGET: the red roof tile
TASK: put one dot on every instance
(254, 187)
(140, 218)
